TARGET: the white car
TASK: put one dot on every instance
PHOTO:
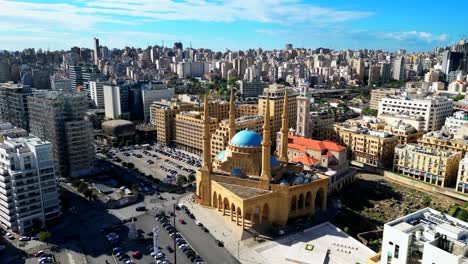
(198, 223)
(25, 238)
(9, 235)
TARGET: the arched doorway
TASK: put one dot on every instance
(308, 200)
(265, 213)
(225, 206)
(238, 216)
(293, 204)
(319, 200)
(300, 202)
(233, 211)
(215, 200)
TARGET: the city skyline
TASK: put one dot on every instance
(235, 25)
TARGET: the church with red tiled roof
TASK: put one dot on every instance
(316, 153)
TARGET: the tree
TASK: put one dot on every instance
(232, 80)
(458, 97)
(88, 193)
(371, 112)
(44, 235)
(426, 200)
(191, 178)
(130, 165)
(181, 179)
(346, 230)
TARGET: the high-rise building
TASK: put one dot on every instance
(374, 74)
(76, 75)
(13, 104)
(303, 128)
(276, 93)
(28, 188)
(451, 61)
(154, 92)
(116, 101)
(61, 83)
(59, 117)
(251, 88)
(96, 50)
(385, 72)
(96, 91)
(5, 71)
(41, 78)
(399, 69)
(189, 127)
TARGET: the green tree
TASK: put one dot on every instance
(368, 111)
(191, 178)
(88, 193)
(426, 200)
(458, 97)
(232, 80)
(346, 230)
(44, 235)
(130, 165)
(181, 179)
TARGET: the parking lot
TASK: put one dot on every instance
(160, 162)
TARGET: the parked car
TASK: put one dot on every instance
(140, 209)
(136, 254)
(182, 221)
(25, 238)
(10, 236)
(39, 253)
(219, 243)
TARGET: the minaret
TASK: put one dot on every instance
(265, 176)
(232, 116)
(204, 174)
(283, 151)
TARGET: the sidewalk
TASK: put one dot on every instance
(239, 243)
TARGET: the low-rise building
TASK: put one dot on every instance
(367, 146)
(444, 140)
(462, 179)
(8, 130)
(28, 189)
(438, 167)
(325, 153)
(426, 236)
(454, 123)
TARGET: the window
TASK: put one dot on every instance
(397, 251)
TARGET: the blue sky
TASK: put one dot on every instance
(233, 24)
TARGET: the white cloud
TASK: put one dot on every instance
(415, 35)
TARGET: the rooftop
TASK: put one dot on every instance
(301, 142)
(312, 246)
(242, 191)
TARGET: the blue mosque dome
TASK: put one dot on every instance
(220, 156)
(247, 138)
(273, 161)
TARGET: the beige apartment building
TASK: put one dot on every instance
(439, 140)
(220, 138)
(430, 165)
(189, 131)
(378, 94)
(163, 114)
(370, 147)
(276, 93)
(247, 110)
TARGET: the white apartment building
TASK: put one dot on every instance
(456, 122)
(28, 189)
(116, 102)
(433, 109)
(426, 236)
(96, 92)
(462, 179)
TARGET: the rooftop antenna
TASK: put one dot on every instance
(163, 43)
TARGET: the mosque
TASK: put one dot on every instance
(251, 186)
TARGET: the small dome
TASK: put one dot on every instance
(273, 161)
(247, 138)
(221, 155)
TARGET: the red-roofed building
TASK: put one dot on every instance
(312, 153)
